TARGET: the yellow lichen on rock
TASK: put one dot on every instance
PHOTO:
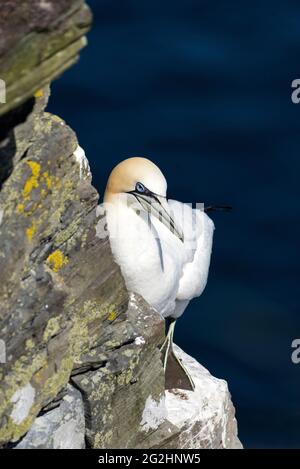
(56, 260)
(32, 181)
(30, 231)
(112, 316)
(20, 208)
(38, 94)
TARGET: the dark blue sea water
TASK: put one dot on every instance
(203, 89)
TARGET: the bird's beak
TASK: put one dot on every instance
(151, 204)
(215, 208)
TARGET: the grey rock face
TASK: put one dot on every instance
(172, 419)
(60, 428)
(58, 281)
(115, 394)
(204, 418)
(65, 313)
(39, 40)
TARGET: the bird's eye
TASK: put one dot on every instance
(139, 187)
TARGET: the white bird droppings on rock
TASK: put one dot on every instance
(84, 168)
(44, 5)
(101, 226)
(1, 215)
(204, 418)
(154, 414)
(22, 399)
(139, 340)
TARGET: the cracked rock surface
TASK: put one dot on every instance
(60, 428)
(38, 41)
(204, 418)
(79, 355)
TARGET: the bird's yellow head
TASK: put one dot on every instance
(131, 175)
(140, 180)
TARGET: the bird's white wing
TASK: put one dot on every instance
(198, 235)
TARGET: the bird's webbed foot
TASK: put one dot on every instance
(176, 374)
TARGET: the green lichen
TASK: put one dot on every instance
(82, 339)
(72, 229)
(29, 345)
(52, 328)
(129, 352)
(127, 375)
(56, 382)
(21, 375)
(38, 58)
(102, 439)
(12, 431)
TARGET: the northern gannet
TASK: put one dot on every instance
(162, 246)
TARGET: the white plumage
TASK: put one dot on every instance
(163, 247)
(155, 263)
(198, 237)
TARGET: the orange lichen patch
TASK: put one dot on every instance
(112, 316)
(38, 93)
(32, 181)
(30, 231)
(56, 260)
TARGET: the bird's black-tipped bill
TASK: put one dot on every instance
(218, 208)
(153, 206)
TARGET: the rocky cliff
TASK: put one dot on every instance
(79, 354)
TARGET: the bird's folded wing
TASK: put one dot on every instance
(198, 235)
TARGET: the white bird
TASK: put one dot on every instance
(163, 246)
